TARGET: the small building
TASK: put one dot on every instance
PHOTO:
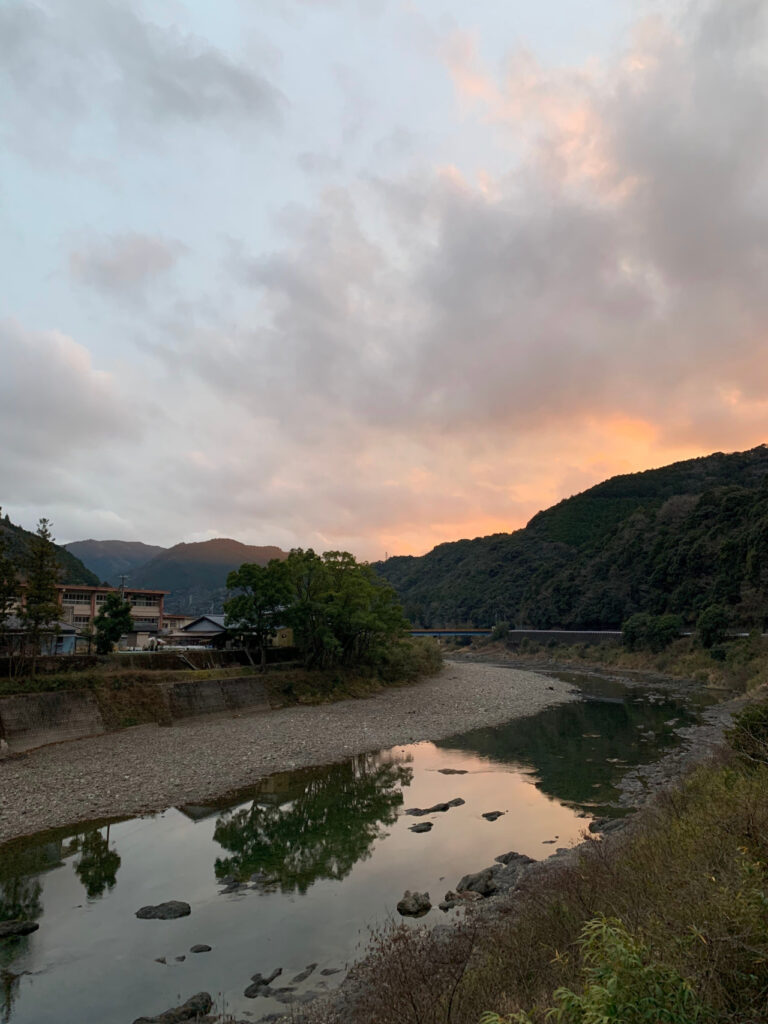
(57, 638)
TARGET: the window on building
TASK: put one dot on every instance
(75, 597)
(144, 601)
(82, 620)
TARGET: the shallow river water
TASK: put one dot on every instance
(326, 854)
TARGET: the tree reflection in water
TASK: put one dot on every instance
(98, 865)
(312, 825)
(19, 899)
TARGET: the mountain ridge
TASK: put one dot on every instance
(671, 539)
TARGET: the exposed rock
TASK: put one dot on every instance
(423, 826)
(196, 1006)
(260, 984)
(10, 929)
(181, 958)
(304, 974)
(283, 995)
(492, 815)
(419, 812)
(482, 882)
(452, 771)
(414, 904)
(454, 899)
(164, 911)
(328, 971)
(200, 948)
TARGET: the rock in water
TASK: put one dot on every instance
(423, 826)
(419, 812)
(165, 911)
(201, 947)
(453, 771)
(304, 974)
(10, 929)
(483, 882)
(195, 1007)
(414, 904)
(492, 815)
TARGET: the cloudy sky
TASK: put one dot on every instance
(372, 274)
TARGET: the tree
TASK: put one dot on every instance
(9, 587)
(711, 625)
(114, 619)
(255, 612)
(41, 611)
(340, 611)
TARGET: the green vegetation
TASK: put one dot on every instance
(671, 541)
(113, 619)
(340, 612)
(652, 632)
(41, 612)
(18, 541)
(669, 924)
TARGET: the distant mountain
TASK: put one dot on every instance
(195, 574)
(666, 540)
(72, 569)
(109, 559)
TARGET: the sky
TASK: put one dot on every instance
(372, 274)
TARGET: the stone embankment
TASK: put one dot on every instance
(148, 767)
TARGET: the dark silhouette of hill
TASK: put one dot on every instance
(195, 574)
(109, 559)
(72, 569)
(674, 539)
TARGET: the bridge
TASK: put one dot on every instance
(563, 636)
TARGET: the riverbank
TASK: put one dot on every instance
(149, 767)
(662, 918)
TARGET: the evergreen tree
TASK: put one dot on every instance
(41, 611)
(114, 619)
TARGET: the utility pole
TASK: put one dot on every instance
(123, 578)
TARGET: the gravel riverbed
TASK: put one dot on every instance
(148, 768)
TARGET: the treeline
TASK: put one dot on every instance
(340, 611)
(672, 541)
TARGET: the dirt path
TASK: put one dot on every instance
(149, 768)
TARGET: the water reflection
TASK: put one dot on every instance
(579, 751)
(301, 827)
(98, 864)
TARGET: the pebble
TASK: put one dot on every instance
(131, 772)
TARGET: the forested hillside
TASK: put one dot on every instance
(72, 569)
(195, 574)
(110, 559)
(674, 539)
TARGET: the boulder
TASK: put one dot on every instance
(492, 815)
(419, 812)
(164, 911)
(423, 826)
(200, 948)
(414, 904)
(328, 971)
(260, 985)
(483, 882)
(195, 1007)
(452, 771)
(11, 929)
(455, 899)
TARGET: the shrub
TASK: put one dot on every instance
(623, 984)
(500, 631)
(650, 632)
(749, 735)
(711, 625)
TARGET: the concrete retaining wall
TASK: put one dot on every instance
(31, 720)
(212, 695)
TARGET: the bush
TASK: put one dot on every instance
(623, 984)
(711, 626)
(500, 631)
(650, 632)
(407, 660)
(749, 735)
